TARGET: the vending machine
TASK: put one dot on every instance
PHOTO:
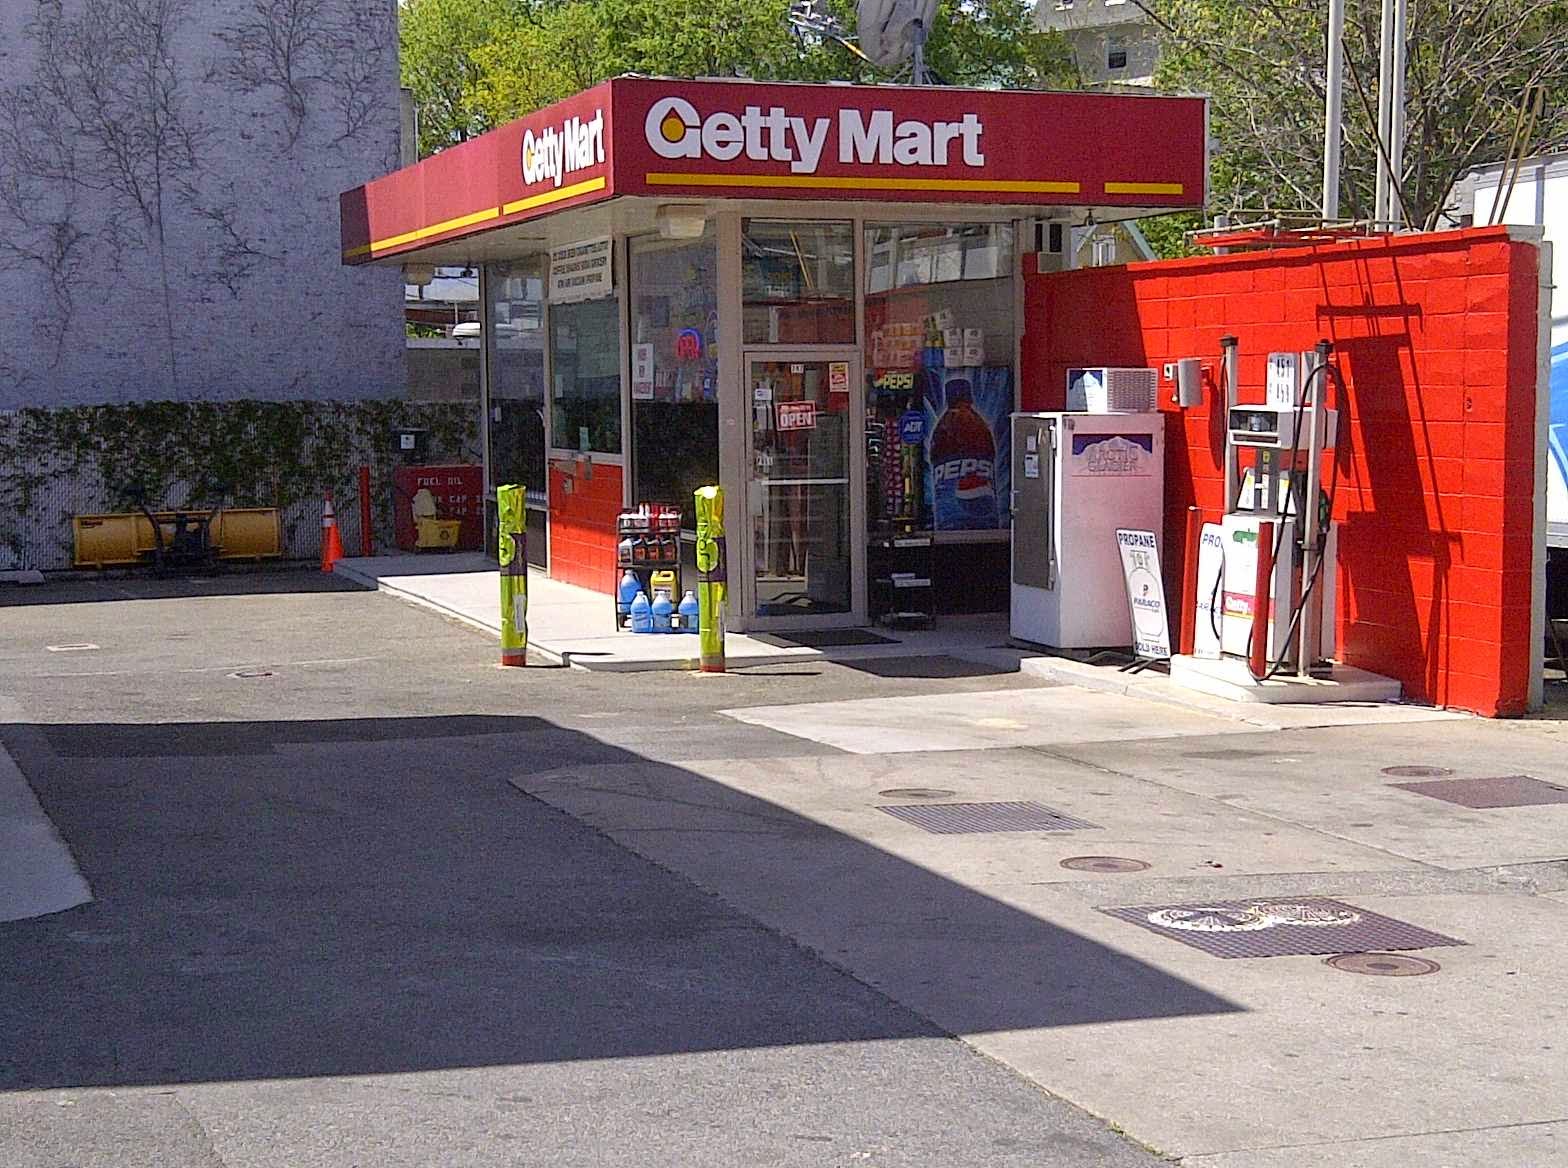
(1076, 479)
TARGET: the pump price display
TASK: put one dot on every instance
(797, 415)
(1151, 636)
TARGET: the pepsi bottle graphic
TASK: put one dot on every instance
(963, 465)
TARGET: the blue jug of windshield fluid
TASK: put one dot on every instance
(642, 613)
(690, 612)
(625, 593)
(661, 609)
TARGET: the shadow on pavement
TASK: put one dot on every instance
(286, 899)
(92, 588)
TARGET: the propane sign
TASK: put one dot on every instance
(1151, 635)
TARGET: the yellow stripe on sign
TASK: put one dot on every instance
(542, 200)
(582, 188)
(435, 229)
(1144, 188)
(826, 182)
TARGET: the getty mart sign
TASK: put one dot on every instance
(675, 128)
(656, 138)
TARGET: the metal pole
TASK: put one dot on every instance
(1262, 602)
(1333, 108)
(1396, 121)
(1191, 551)
(366, 539)
(1385, 114)
(1228, 370)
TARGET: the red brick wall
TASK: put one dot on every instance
(582, 524)
(1436, 336)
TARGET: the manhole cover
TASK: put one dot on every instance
(1279, 928)
(916, 793)
(1382, 964)
(1415, 772)
(973, 818)
(1480, 794)
(1104, 864)
(247, 674)
(73, 647)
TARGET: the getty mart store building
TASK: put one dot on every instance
(809, 294)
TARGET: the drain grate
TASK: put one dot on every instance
(1279, 928)
(1382, 964)
(1415, 772)
(1104, 864)
(1502, 791)
(974, 818)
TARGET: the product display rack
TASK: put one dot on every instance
(901, 565)
(647, 541)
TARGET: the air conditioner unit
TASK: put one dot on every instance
(1107, 390)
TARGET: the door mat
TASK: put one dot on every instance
(824, 639)
(934, 666)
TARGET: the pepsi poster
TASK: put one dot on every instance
(968, 439)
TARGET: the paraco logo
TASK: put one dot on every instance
(555, 153)
(674, 129)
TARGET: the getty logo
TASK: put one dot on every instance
(674, 129)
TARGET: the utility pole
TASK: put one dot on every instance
(1396, 123)
(1333, 109)
(1385, 111)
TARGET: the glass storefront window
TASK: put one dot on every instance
(674, 294)
(797, 282)
(939, 359)
(516, 364)
(585, 359)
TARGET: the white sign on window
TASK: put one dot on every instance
(581, 271)
(642, 372)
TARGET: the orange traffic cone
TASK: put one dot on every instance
(331, 541)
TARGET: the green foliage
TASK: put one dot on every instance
(1167, 234)
(1470, 63)
(437, 39)
(476, 65)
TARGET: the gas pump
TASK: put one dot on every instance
(1278, 534)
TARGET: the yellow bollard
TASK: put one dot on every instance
(513, 521)
(712, 585)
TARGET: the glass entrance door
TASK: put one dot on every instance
(804, 556)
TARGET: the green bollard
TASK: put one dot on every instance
(712, 585)
(513, 549)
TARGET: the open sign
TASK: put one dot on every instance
(797, 415)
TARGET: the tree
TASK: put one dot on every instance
(1471, 64)
(437, 40)
(473, 65)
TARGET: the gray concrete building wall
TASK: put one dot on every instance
(169, 173)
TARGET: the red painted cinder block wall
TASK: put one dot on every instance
(582, 523)
(1437, 338)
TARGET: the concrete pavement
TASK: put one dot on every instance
(698, 939)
